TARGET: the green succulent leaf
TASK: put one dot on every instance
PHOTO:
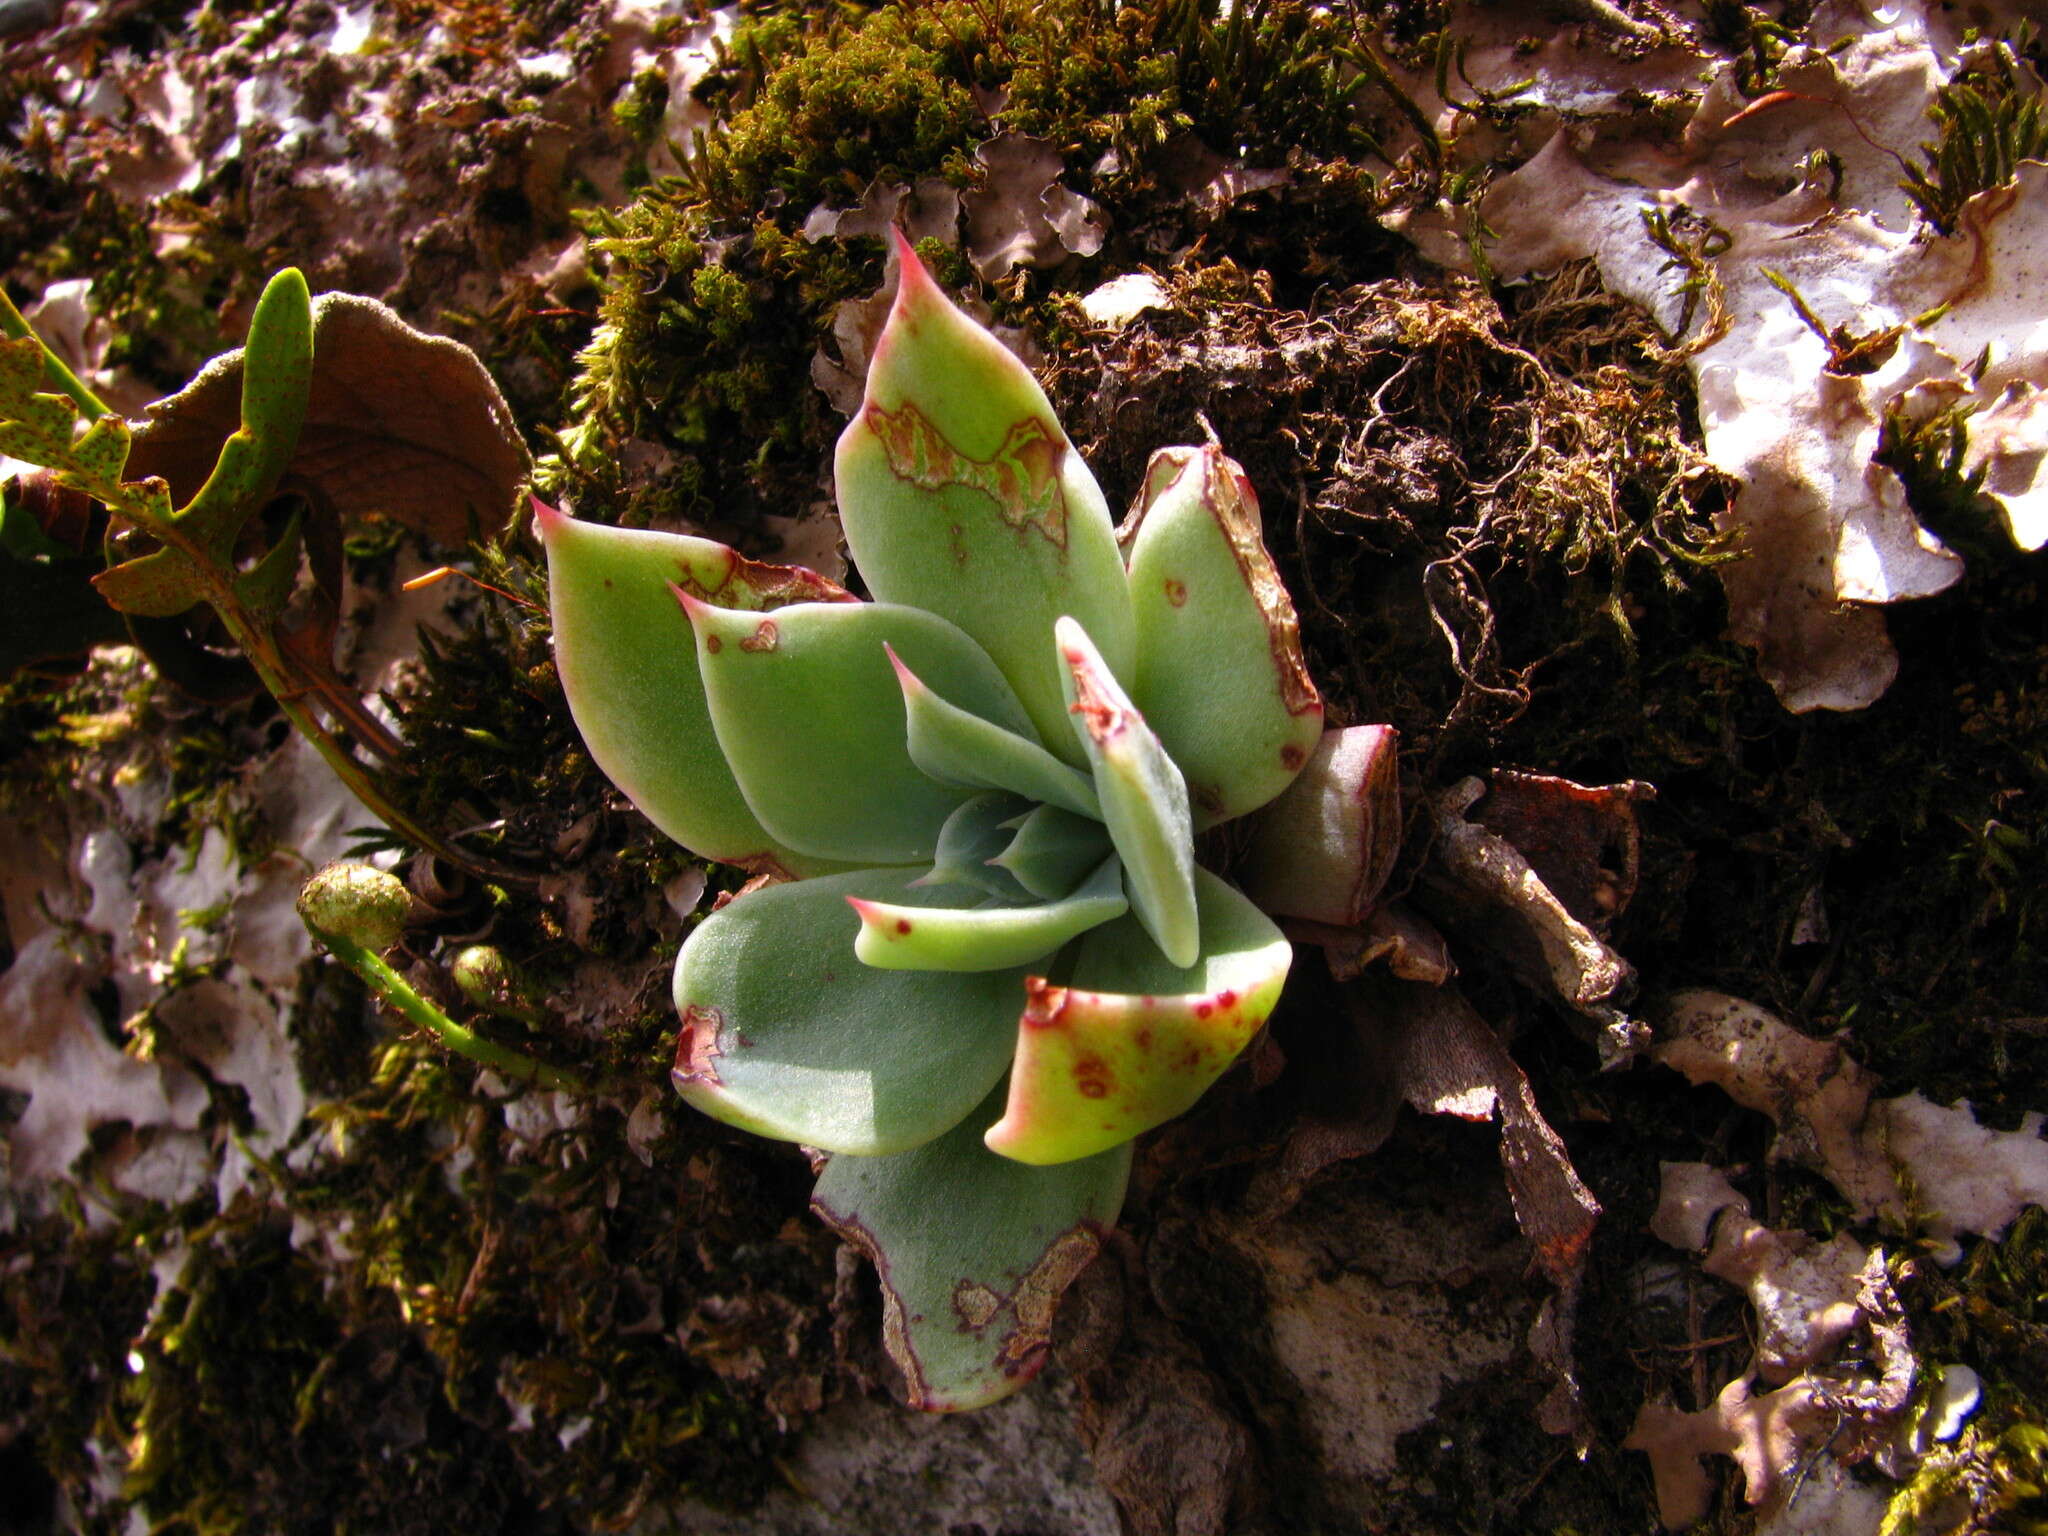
(810, 717)
(628, 663)
(1325, 847)
(960, 494)
(972, 839)
(1144, 799)
(1051, 849)
(952, 745)
(787, 1034)
(984, 938)
(1133, 1041)
(973, 1252)
(1219, 673)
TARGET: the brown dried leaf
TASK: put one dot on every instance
(1484, 887)
(1021, 216)
(399, 423)
(1425, 1044)
(1581, 840)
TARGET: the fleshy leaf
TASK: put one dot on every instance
(810, 718)
(1133, 1041)
(950, 744)
(971, 840)
(1325, 847)
(985, 938)
(960, 494)
(1052, 849)
(1144, 799)
(973, 1251)
(785, 1033)
(628, 663)
(1219, 672)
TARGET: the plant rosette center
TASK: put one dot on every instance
(991, 959)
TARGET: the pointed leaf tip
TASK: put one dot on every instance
(985, 938)
(957, 746)
(628, 664)
(1132, 1042)
(1144, 799)
(960, 494)
(1220, 673)
(808, 689)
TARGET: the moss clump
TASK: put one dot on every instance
(714, 302)
(639, 107)
(1988, 118)
(1991, 1314)
(119, 724)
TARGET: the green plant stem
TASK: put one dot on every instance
(359, 781)
(16, 326)
(398, 993)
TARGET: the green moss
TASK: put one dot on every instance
(639, 108)
(1987, 119)
(1991, 1314)
(713, 302)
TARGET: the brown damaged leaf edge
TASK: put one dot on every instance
(760, 584)
(1037, 1297)
(976, 1305)
(1100, 714)
(1023, 479)
(1230, 499)
(895, 1321)
(697, 1049)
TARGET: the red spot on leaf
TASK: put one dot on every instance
(1203, 1010)
(713, 644)
(1292, 757)
(1144, 1036)
(1226, 999)
(764, 638)
(903, 925)
(1176, 592)
(1092, 1077)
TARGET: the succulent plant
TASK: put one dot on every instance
(984, 957)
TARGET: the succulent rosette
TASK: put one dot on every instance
(991, 960)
